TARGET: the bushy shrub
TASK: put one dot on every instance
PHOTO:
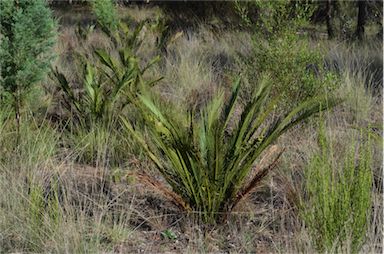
(106, 14)
(28, 33)
(338, 200)
(296, 67)
(207, 156)
(282, 50)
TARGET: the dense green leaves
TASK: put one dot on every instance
(28, 34)
(106, 14)
(282, 49)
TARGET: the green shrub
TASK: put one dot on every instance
(207, 156)
(282, 50)
(28, 33)
(296, 68)
(115, 28)
(106, 14)
(338, 196)
(282, 16)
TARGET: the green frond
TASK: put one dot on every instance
(204, 160)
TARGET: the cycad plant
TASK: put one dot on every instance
(107, 87)
(206, 157)
(109, 78)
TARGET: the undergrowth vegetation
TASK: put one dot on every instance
(148, 135)
(337, 197)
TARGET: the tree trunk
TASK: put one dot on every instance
(330, 29)
(361, 19)
(16, 98)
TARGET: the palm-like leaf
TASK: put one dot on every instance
(107, 88)
(111, 82)
(207, 164)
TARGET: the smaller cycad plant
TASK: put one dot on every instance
(107, 89)
(109, 78)
(207, 156)
(338, 200)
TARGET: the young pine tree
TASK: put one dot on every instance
(27, 35)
